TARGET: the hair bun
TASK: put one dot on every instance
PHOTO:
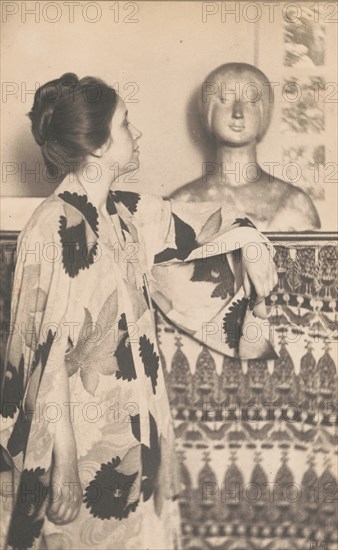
(69, 79)
(45, 100)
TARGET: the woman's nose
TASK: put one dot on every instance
(237, 109)
(137, 133)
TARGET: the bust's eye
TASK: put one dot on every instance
(225, 99)
(126, 123)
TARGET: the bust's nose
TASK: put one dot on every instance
(237, 110)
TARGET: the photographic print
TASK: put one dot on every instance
(305, 37)
(169, 284)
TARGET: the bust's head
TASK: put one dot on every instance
(236, 104)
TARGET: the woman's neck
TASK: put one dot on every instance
(237, 166)
(97, 189)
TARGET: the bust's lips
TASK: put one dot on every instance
(237, 127)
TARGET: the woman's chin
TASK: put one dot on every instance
(131, 166)
(136, 159)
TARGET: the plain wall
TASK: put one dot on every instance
(165, 57)
(157, 55)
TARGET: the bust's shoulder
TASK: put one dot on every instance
(292, 192)
(273, 185)
(193, 191)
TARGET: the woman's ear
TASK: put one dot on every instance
(101, 151)
(98, 153)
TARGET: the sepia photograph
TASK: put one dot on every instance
(169, 275)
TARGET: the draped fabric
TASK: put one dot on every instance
(82, 349)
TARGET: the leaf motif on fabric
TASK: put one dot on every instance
(15, 350)
(146, 296)
(150, 456)
(135, 426)
(244, 222)
(13, 389)
(34, 302)
(18, 440)
(215, 269)
(25, 525)
(185, 240)
(114, 489)
(131, 461)
(126, 368)
(75, 253)
(42, 352)
(73, 216)
(122, 324)
(211, 227)
(150, 360)
(84, 206)
(100, 359)
(151, 460)
(136, 294)
(128, 198)
(133, 232)
(5, 461)
(154, 448)
(95, 355)
(147, 488)
(77, 355)
(108, 313)
(124, 225)
(110, 204)
(164, 474)
(90, 379)
(233, 322)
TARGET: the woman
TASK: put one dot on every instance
(86, 426)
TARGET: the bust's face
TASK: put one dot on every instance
(235, 113)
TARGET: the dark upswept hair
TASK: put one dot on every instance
(70, 119)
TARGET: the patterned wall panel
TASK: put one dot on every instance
(257, 440)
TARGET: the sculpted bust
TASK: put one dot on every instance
(236, 105)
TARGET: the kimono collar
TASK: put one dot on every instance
(120, 205)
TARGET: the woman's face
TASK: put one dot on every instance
(122, 152)
(235, 112)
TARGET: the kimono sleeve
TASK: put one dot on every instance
(35, 385)
(196, 278)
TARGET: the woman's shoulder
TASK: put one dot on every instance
(44, 221)
(152, 204)
(141, 208)
(136, 202)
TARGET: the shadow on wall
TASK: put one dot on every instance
(200, 137)
(26, 172)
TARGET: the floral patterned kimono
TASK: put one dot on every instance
(82, 326)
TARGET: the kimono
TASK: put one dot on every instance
(82, 349)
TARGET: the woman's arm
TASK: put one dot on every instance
(208, 263)
(36, 381)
